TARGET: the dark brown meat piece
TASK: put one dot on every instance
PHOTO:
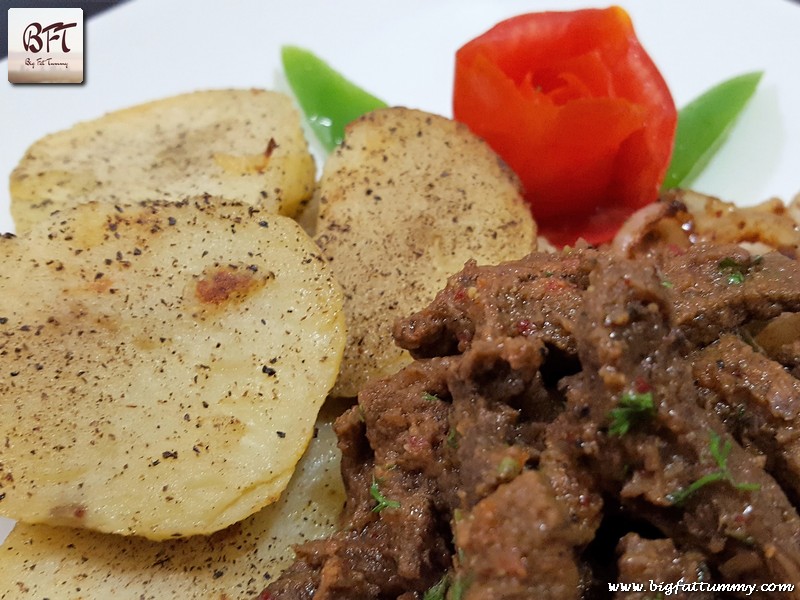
(780, 340)
(518, 543)
(718, 288)
(443, 440)
(498, 457)
(625, 344)
(538, 296)
(789, 356)
(392, 539)
(533, 297)
(759, 401)
(655, 564)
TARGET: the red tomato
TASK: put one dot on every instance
(573, 103)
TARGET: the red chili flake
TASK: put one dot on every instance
(524, 327)
(464, 336)
(416, 444)
(554, 284)
(676, 250)
(641, 385)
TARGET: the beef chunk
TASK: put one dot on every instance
(642, 561)
(533, 297)
(741, 510)
(758, 399)
(518, 543)
(552, 393)
(718, 288)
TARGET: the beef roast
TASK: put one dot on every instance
(562, 406)
(654, 564)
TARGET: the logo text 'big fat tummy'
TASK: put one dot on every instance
(45, 45)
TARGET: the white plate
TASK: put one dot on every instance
(403, 52)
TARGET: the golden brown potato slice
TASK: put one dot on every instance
(405, 202)
(39, 561)
(245, 145)
(161, 365)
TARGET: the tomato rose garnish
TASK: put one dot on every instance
(573, 103)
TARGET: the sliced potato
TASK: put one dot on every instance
(246, 145)
(39, 561)
(161, 365)
(405, 202)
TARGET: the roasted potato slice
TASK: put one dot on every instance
(39, 561)
(161, 364)
(245, 145)
(404, 202)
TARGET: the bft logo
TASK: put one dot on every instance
(45, 45)
(32, 36)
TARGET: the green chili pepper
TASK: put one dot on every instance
(703, 125)
(328, 100)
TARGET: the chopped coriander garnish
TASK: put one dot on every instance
(452, 438)
(735, 270)
(438, 590)
(382, 501)
(430, 397)
(461, 555)
(508, 468)
(459, 587)
(736, 277)
(667, 284)
(633, 407)
(720, 454)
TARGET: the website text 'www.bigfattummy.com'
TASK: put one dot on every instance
(663, 589)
